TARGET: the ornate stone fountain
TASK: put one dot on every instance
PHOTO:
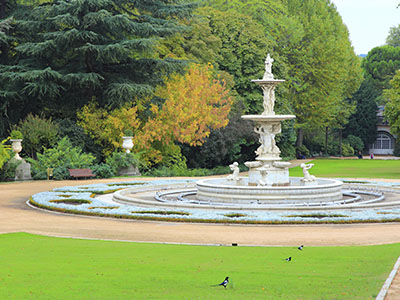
(268, 124)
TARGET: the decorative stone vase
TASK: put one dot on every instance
(16, 147)
(127, 143)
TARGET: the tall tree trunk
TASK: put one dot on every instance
(326, 139)
(300, 136)
(340, 142)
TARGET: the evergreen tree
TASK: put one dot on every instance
(363, 123)
(71, 52)
(380, 65)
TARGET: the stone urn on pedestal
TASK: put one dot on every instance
(16, 147)
(23, 170)
(127, 140)
(127, 144)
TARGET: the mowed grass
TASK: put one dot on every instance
(352, 168)
(37, 267)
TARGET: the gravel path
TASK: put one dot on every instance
(16, 216)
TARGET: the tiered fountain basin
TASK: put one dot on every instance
(268, 118)
(239, 192)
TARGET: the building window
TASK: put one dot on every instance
(383, 141)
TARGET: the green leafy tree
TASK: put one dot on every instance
(68, 53)
(197, 43)
(38, 133)
(393, 39)
(392, 108)
(243, 50)
(323, 68)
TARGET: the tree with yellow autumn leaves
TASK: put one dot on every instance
(193, 104)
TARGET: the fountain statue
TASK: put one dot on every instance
(235, 175)
(307, 176)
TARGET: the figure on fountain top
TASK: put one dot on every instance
(268, 68)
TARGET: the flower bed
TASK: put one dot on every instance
(80, 200)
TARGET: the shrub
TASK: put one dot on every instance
(16, 135)
(38, 133)
(119, 160)
(62, 157)
(347, 150)
(8, 169)
(60, 173)
(355, 142)
(396, 151)
(5, 152)
(103, 170)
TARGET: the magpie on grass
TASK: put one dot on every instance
(300, 248)
(289, 258)
(223, 283)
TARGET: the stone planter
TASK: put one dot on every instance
(127, 143)
(23, 171)
(16, 147)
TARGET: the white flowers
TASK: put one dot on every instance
(112, 209)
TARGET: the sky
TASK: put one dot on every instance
(368, 21)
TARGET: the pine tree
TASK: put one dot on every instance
(71, 52)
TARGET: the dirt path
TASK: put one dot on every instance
(16, 216)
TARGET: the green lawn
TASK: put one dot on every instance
(37, 267)
(352, 168)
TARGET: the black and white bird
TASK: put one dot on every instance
(300, 248)
(223, 283)
(289, 258)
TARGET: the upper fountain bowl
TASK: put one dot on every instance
(268, 118)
